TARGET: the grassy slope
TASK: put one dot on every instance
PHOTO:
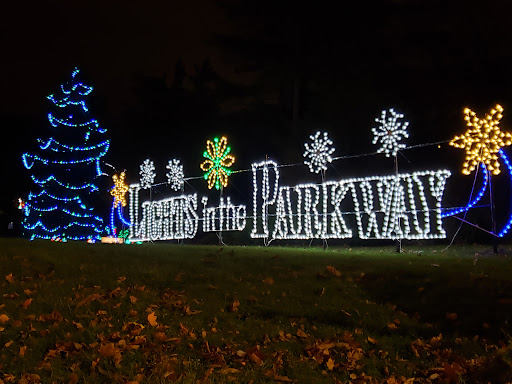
(266, 314)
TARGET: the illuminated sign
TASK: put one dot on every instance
(406, 205)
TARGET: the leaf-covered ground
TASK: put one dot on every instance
(163, 313)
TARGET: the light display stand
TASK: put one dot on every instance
(219, 233)
(265, 205)
(182, 190)
(398, 240)
(493, 217)
(324, 240)
(388, 134)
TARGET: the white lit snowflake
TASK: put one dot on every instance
(390, 132)
(175, 174)
(147, 174)
(318, 152)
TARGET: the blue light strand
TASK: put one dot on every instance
(91, 187)
(44, 145)
(119, 214)
(121, 217)
(474, 201)
(65, 102)
(60, 227)
(112, 228)
(98, 168)
(27, 156)
(74, 87)
(82, 215)
(79, 88)
(55, 121)
(39, 209)
(507, 226)
(66, 199)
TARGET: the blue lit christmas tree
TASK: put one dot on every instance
(65, 169)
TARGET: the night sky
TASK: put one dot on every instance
(168, 75)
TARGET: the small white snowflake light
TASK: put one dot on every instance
(390, 132)
(175, 175)
(318, 152)
(147, 174)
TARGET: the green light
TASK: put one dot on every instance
(217, 162)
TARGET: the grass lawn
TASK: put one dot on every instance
(162, 313)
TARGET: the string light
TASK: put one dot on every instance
(53, 233)
(217, 163)
(68, 122)
(134, 190)
(42, 182)
(381, 207)
(168, 219)
(262, 198)
(55, 148)
(175, 175)
(507, 226)
(79, 88)
(225, 217)
(63, 174)
(482, 141)
(308, 211)
(119, 215)
(318, 153)
(390, 132)
(147, 174)
(472, 203)
(30, 159)
(119, 190)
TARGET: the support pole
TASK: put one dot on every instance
(324, 241)
(493, 217)
(219, 233)
(398, 241)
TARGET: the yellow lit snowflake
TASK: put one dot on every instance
(119, 190)
(217, 162)
(482, 141)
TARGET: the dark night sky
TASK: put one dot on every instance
(428, 59)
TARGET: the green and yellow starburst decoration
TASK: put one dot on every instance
(482, 141)
(217, 163)
(119, 190)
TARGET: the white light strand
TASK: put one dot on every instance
(175, 176)
(390, 132)
(381, 207)
(225, 217)
(133, 209)
(318, 152)
(168, 219)
(308, 211)
(261, 195)
(147, 174)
